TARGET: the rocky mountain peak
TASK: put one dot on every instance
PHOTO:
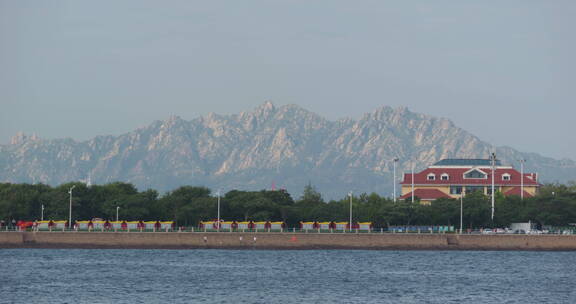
(265, 110)
(173, 121)
(382, 111)
(389, 114)
(21, 138)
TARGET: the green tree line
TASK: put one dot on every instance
(554, 205)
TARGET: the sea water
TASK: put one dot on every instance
(277, 276)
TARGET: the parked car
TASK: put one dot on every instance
(487, 231)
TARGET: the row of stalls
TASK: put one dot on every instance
(336, 226)
(106, 225)
(240, 226)
(281, 226)
(421, 229)
(102, 225)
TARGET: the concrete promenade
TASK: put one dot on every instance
(287, 240)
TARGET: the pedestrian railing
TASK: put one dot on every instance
(189, 229)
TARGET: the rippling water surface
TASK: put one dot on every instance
(253, 276)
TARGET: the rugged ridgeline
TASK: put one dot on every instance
(285, 145)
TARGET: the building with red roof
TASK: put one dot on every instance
(452, 178)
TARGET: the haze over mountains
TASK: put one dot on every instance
(287, 146)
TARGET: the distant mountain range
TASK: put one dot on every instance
(287, 146)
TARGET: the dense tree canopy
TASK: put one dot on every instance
(555, 205)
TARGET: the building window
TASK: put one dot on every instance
(506, 176)
(431, 177)
(455, 189)
(471, 189)
(489, 190)
(475, 174)
(444, 177)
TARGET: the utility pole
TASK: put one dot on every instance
(117, 209)
(42, 214)
(461, 208)
(350, 195)
(394, 182)
(522, 161)
(493, 161)
(218, 193)
(412, 182)
(70, 218)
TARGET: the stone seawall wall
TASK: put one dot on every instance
(174, 240)
(11, 238)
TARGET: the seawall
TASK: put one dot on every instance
(237, 240)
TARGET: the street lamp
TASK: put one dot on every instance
(522, 161)
(350, 195)
(117, 209)
(461, 208)
(218, 193)
(412, 182)
(395, 160)
(42, 213)
(70, 218)
(493, 161)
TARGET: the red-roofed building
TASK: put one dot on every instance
(516, 191)
(453, 177)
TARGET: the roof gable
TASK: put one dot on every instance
(475, 173)
(517, 191)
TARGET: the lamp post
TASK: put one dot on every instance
(412, 182)
(117, 209)
(395, 160)
(493, 164)
(522, 161)
(350, 195)
(42, 213)
(218, 193)
(70, 218)
(461, 208)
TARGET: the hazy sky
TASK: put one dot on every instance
(503, 70)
